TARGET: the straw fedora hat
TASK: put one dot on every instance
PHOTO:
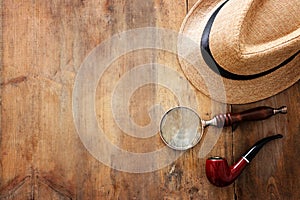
(249, 49)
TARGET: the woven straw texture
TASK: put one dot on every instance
(246, 38)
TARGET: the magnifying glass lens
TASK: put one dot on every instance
(181, 128)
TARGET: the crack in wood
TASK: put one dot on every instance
(15, 80)
(34, 181)
(12, 187)
(56, 187)
(187, 6)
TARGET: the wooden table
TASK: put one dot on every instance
(43, 46)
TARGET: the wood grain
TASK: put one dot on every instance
(271, 173)
(43, 46)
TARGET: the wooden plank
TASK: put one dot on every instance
(272, 174)
(42, 156)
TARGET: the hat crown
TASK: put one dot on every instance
(255, 36)
(249, 50)
(267, 21)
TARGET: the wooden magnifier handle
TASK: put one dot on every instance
(258, 113)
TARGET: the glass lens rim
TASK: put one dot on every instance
(193, 142)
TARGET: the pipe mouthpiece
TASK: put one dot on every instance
(276, 137)
(282, 110)
(251, 153)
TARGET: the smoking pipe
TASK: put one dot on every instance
(220, 174)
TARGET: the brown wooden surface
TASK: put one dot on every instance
(42, 157)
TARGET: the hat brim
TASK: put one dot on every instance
(213, 84)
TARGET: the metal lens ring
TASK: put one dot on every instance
(180, 128)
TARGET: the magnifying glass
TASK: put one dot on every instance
(181, 128)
